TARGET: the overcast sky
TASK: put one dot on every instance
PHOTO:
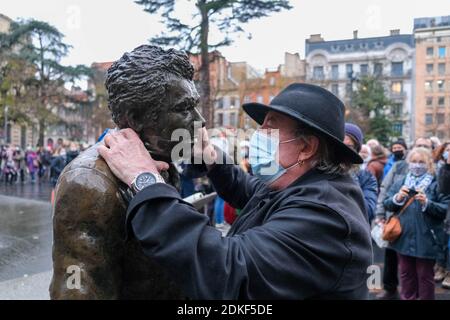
(102, 30)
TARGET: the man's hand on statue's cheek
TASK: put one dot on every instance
(127, 156)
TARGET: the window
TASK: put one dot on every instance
(260, 99)
(429, 101)
(232, 102)
(428, 85)
(440, 118)
(335, 71)
(430, 51)
(397, 127)
(335, 89)
(428, 118)
(226, 102)
(364, 69)
(378, 69)
(247, 99)
(397, 69)
(348, 89)
(349, 70)
(442, 52)
(441, 69)
(318, 73)
(397, 110)
(441, 101)
(397, 87)
(441, 134)
(441, 84)
(219, 103)
(272, 81)
(429, 68)
(233, 119)
(220, 119)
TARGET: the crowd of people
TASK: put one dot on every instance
(396, 180)
(40, 164)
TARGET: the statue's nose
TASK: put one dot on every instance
(198, 117)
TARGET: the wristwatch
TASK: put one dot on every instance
(144, 180)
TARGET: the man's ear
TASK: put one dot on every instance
(309, 148)
(135, 122)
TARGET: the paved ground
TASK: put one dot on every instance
(37, 191)
(25, 237)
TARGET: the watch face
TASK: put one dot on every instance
(144, 180)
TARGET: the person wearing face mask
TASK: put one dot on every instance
(396, 169)
(398, 153)
(423, 211)
(302, 232)
(365, 179)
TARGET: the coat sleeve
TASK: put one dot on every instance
(444, 179)
(388, 201)
(280, 259)
(369, 188)
(437, 204)
(233, 184)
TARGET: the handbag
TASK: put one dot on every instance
(392, 228)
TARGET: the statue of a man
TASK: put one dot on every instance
(151, 91)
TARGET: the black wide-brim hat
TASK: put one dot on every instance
(314, 107)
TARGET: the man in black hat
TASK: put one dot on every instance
(302, 231)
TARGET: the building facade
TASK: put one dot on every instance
(240, 83)
(337, 66)
(432, 77)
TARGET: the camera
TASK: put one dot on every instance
(412, 193)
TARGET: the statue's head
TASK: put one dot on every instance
(151, 91)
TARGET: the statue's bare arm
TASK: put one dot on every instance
(88, 236)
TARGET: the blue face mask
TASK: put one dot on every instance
(263, 157)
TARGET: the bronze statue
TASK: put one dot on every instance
(151, 91)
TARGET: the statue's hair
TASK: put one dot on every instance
(137, 82)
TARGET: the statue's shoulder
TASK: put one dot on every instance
(88, 176)
(89, 162)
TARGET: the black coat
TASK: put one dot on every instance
(444, 187)
(310, 240)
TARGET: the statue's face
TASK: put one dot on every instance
(179, 111)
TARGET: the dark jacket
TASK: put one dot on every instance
(369, 187)
(444, 187)
(417, 239)
(310, 240)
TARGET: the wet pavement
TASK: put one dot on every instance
(37, 191)
(25, 237)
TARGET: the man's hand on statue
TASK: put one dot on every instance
(127, 156)
(203, 149)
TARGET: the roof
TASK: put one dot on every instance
(359, 44)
